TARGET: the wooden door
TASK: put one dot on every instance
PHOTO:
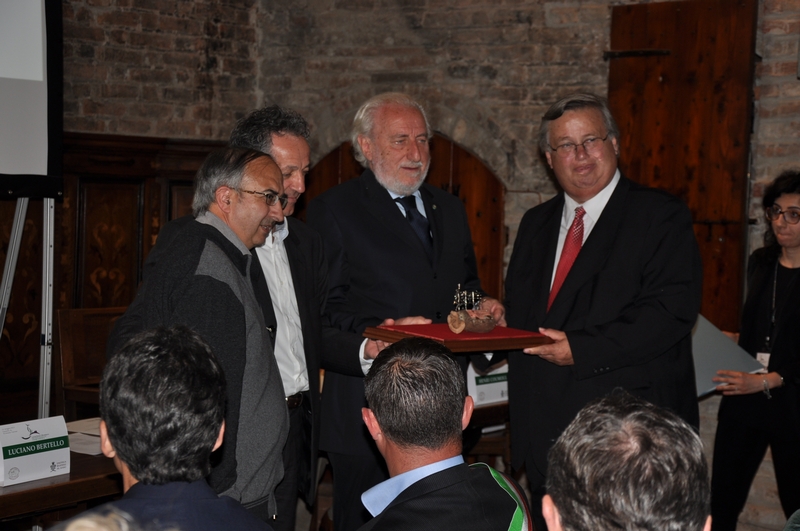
(453, 169)
(680, 86)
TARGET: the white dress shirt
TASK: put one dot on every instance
(289, 351)
(593, 207)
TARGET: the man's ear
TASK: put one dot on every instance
(222, 196)
(550, 513)
(105, 443)
(366, 146)
(220, 436)
(371, 422)
(707, 527)
(469, 406)
(549, 157)
(616, 145)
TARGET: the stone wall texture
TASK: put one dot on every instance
(485, 70)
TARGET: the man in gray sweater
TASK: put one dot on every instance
(203, 281)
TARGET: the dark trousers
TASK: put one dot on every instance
(738, 452)
(296, 467)
(352, 475)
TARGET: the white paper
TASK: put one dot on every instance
(84, 444)
(714, 351)
(87, 426)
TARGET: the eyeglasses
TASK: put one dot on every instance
(791, 216)
(269, 196)
(590, 145)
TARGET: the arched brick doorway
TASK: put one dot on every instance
(453, 169)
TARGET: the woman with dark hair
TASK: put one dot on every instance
(761, 410)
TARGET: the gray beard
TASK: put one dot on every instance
(397, 188)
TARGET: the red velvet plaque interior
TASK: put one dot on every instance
(501, 338)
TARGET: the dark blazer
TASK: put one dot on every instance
(627, 306)
(378, 269)
(309, 276)
(463, 497)
(186, 506)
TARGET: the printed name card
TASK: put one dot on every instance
(488, 387)
(34, 449)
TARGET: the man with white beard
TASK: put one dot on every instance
(397, 248)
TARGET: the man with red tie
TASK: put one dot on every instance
(610, 271)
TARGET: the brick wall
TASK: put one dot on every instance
(485, 69)
(159, 67)
(776, 138)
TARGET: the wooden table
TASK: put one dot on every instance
(91, 477)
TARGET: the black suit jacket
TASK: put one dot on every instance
(463, 497)
(378, 269)
(627, 306)
(309, 275)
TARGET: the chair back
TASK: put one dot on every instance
(81, 335)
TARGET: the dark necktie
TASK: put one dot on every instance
(572, 246)
(419, 223)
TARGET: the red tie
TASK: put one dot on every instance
(572, 246)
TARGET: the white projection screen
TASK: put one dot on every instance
(23, 88)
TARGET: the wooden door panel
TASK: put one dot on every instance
(484, 200)
(685, 122)
(722, 262)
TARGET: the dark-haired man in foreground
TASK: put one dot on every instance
(624, 463)
(418, 406)
(162, 403)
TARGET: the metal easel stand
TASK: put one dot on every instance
(46, 341)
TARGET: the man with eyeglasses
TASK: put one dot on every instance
(609, 270)
(202, 280)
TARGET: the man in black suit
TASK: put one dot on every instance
(418, 406)
(611, 272)
(397, 249)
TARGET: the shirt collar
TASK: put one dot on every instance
(395, 196)
(594, 206)
(208, 218)
(279, 234)
(378, 498)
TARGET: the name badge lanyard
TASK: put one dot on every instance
(771, 332)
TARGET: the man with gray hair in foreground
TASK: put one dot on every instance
(418, 406)
(624, 463)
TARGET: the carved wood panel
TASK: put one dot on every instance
(118, 192)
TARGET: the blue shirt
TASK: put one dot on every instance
(381, 495)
